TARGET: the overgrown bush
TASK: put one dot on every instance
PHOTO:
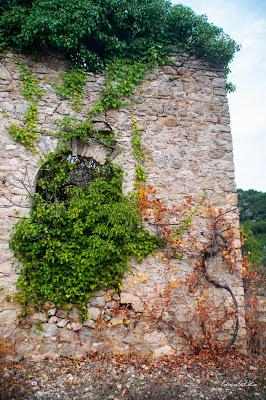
(90, 32)
(77, 238)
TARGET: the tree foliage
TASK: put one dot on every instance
(252, 206)
(90, 32)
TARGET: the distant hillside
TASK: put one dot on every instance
(252, 206)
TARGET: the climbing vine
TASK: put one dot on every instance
(138, 155)
(77, 239)
(121, 79)
(27, 134)
(73, 83)
(31, 89)
(177, 226)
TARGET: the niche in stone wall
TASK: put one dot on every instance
(85, 161)
(82, 171)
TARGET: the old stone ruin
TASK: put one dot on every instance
(182, 112)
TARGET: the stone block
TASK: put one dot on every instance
(74, 315)
(38, 316)
(51, 312)
(8, 316)
(66, 335)
(4, 74)
(136, 303)
(97, 302)
(89, 324)
(75, 326)
(163, 351)
(93, 313)
(49, 330)
(85, 335)
(52, 320)
(8, 106)
(169, 70)
(61, 323)
(61, 313)
(6, 268)
(21, 108)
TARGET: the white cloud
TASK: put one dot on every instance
(245, 21)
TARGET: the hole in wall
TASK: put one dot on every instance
(68, 171)
(82, 164)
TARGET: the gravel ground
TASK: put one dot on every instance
(117, 378)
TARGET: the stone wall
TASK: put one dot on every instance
(183, 113)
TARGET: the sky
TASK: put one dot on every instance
(245, 22)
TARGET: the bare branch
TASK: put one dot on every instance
(95, 121)
(14, 203)
(206, 255)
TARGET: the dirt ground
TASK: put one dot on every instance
(118, 378)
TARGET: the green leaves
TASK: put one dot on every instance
(253, 220)
(71, 128)
(31, 89)
(120, 83)
(196, 35)
(138, 154)
(73, 87)
(91, 32)
(72, 244)
(27, 135)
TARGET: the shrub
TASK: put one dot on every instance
(90, 32)
(77, 238)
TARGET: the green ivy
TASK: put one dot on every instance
(138, 153)
(121, 79)
(72, 244)
(136, 142)
(140, 173)
(230, 87)
(70, 128)
(72, 87)
(27, 135)
(31, 90)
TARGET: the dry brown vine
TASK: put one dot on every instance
(173, 224)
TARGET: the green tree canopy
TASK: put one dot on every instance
(90, 32)
(252, 206)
